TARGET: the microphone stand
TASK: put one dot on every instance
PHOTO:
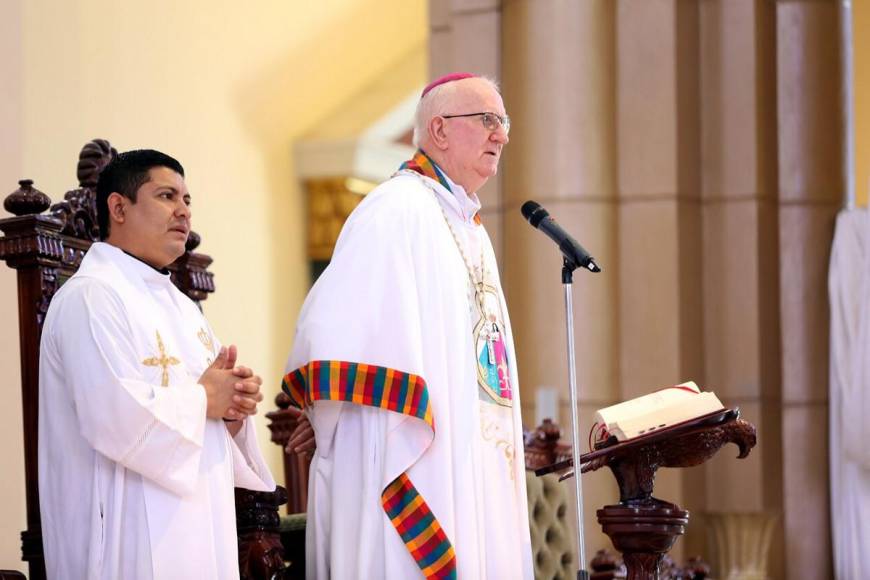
(567, 280)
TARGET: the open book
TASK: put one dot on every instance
(653, 412)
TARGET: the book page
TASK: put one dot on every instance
(655, 411)
(659, 419)
(646, 403)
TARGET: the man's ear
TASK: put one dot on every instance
(117, 207)
(438, 132)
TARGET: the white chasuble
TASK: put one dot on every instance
(849, 291)
(134, 481)
(404, 361)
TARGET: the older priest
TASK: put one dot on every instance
(404, 359)
(136, 465)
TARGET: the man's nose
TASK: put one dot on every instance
(500, 136)
(183, 210)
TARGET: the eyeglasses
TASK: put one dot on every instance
(491, 121)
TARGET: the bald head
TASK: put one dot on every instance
(439, 100)
(448, 128)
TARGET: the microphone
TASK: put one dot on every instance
(572, 250)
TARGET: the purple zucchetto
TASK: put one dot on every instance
(458, 76)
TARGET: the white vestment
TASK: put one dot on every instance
(134, 481)
(396, 307)
(849, 289)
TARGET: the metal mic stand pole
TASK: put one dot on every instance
(567, 280)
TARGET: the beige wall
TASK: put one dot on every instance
(12, 508)
(226, 87)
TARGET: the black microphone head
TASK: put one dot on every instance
(529, 208)
(533, 212)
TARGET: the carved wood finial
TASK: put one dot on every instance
(550, 431)
(697, 568)
(78, 210)
(283, 400)
(26, 200)
(94, 157)
(603, 561)
(193, 241)
(542, 446)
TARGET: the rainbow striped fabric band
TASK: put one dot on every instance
(421, 532)
(421, 163)
(393, 390)
(332, 380)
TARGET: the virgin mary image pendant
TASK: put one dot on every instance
(493, 372)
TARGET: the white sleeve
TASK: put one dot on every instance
(152, 430)
(249, 468)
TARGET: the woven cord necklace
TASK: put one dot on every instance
(477, 284)
(487, 328)
(490, 332)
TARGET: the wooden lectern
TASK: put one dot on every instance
(640, 526)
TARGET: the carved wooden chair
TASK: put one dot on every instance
(46, 248)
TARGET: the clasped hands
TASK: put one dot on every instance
(232, 392)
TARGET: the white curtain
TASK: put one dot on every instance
(849, 290)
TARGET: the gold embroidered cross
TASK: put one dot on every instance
(205, 339)
(208, 343)
(162, 361)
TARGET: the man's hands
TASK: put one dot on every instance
(231, 392)
(302, 439)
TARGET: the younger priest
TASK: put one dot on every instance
(404, 360)
(142, 414)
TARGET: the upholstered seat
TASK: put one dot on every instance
(552, 540)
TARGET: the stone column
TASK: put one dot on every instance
(465, 36)
(559, 87)
(659, 258)
(740, 253)
(811, 190)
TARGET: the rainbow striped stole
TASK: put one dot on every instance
(419, 529)
(385, 388)
(393, 390)
(421, 163)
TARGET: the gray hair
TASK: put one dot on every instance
(438, 101)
